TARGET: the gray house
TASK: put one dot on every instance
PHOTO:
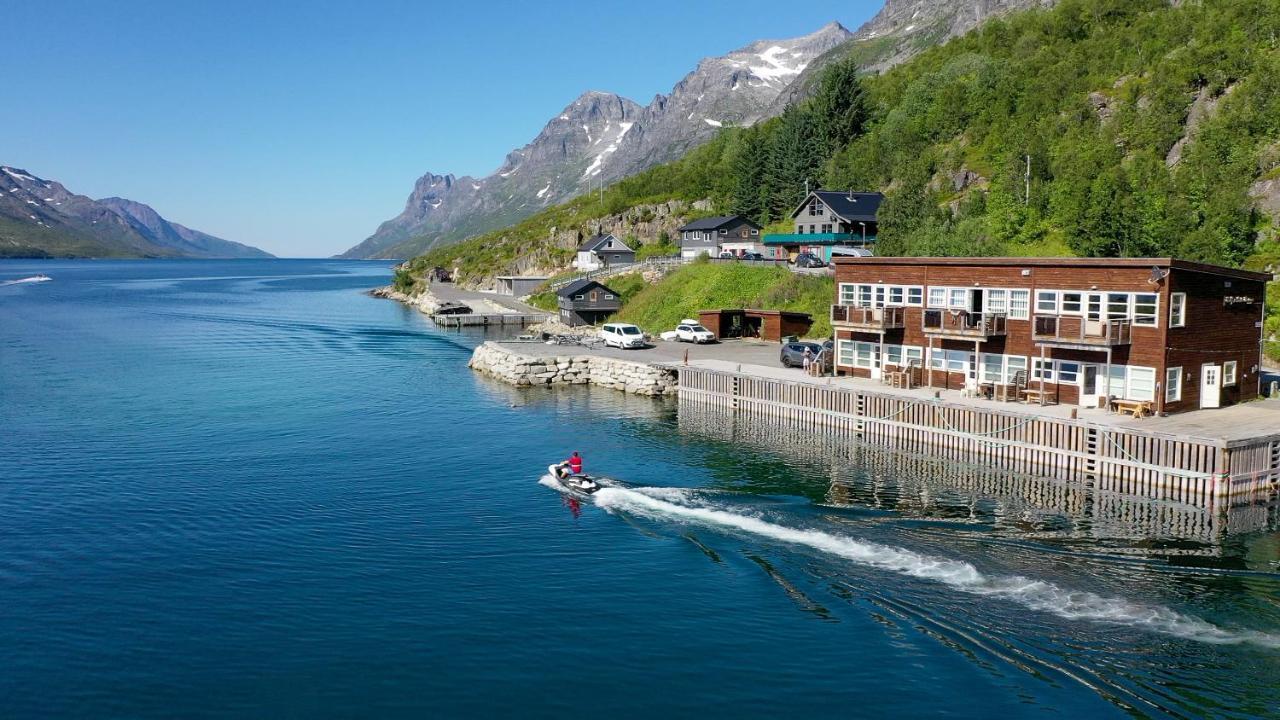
(603, 251)
(586, 302)
(710, 236)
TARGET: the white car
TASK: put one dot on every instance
(691, 331)
(622, 335)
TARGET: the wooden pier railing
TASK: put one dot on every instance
(1126, 460)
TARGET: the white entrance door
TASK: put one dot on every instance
(1090, 388)
(1210, 386)
(876, 367)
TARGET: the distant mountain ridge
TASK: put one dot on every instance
(598, 138)
(42, 218)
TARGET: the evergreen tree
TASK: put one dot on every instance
(795, 157)
(839, 106)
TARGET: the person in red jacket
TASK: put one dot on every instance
(575, 463)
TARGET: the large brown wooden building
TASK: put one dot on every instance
(1179, 335)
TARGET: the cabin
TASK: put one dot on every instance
(713, 235)
(828, 219)
(586, 302)
(1167, 335)
(603, 251)
(517, 285)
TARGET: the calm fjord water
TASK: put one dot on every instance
(246, 489)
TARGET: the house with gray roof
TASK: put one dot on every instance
(603, 251)
(831, 218)
(586, 302)
(713, 235)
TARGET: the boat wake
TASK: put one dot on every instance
(667, 504)
(32, 279)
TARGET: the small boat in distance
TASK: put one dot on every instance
(33, 279)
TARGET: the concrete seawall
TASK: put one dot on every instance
(521, 370)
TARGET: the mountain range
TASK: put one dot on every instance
(42, 218)
(602, 137)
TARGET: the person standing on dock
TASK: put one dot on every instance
(808, 360)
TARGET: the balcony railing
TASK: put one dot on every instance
(1081, 331)
(865, 318)
(961, 323)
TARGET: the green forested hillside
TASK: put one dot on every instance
(1098, 128)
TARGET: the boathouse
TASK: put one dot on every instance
(1152, 335)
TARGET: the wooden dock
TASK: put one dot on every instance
(487, 319)
(1122, 459)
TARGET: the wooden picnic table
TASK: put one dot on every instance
(1036, 395)
(1137, 408)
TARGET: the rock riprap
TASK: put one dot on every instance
(523, 370)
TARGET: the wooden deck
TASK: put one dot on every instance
(1227, 452)
(486, 319)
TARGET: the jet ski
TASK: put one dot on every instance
(581, 484)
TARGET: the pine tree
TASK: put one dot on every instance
(839, 107)
(795, 157)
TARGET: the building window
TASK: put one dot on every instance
(897, 294)
(997, 301)
(1229, 373)
(1178, 310)
(724, 231)
(1117, 306)
(1043, 370)
(826, 227)
(915, 295)
(937, 297)
(607, 296)
(1142, 383)
(1071, 303)
(844, 353)
(578, 297)
(950, 360)
(1047, 302)
(1019, 304)
(1145, 307)
(848, 293)
(1173, 384)
(1068, 373)
(755, 232)
(864, 295)
(958, 298)
(864, 355)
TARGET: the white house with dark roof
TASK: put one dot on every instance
(831, 218)
(711, 236)
(603, 251)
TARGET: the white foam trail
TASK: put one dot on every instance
(1034, 594)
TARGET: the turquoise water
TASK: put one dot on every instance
(244, 488)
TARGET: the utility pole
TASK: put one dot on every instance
(1026, 193)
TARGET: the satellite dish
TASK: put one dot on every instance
(1157, 274)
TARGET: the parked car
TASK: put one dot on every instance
(622, 335)
(726, 255)
(792, 354)
(691, 331)
(809, 260)
(752, 256)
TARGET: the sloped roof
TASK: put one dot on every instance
(578, 286)
(853, 207)
(594, 243)
(715, 223)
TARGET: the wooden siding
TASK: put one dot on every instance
(1214, 332)
(1125, 460)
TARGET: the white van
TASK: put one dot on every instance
(622, 335)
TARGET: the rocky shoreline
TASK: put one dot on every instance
(531, 371)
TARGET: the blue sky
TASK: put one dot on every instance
(298, 127)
